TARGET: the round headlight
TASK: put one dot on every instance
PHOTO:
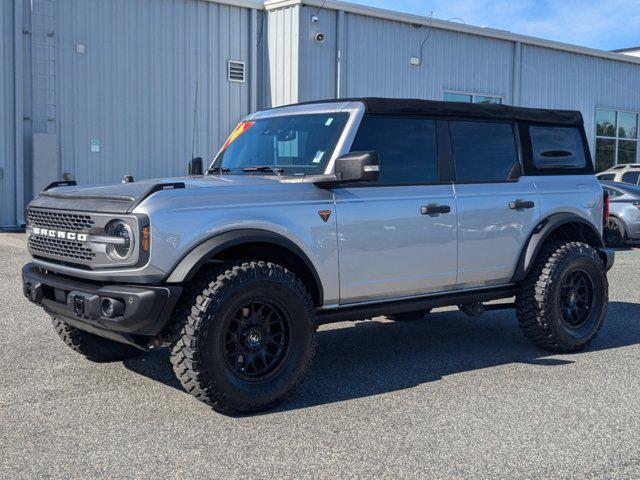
(124, 248)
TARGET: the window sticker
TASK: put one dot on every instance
(328, 122)
(239, 130)
(318, 157)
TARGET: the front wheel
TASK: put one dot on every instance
(93, 347)
(248, 339)
(562, 303)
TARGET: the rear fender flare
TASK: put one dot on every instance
(542, 232)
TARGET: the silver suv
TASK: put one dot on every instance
(325, 212)
(627, 173)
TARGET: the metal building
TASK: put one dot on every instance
(96, 89)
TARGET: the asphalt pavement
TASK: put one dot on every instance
(446, 397)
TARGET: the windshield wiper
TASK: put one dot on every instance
(222, 170)
(264, 168)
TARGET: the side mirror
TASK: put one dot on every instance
(196, 167)
(358, 167)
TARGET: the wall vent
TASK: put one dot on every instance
(236, 71)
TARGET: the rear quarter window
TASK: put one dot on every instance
(553, 149)
(557, 147)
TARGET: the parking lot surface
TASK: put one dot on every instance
(446, 397)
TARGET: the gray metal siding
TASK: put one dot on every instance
(7, 124)
(8, 133)
(280, 52)
(317, 60)
(556, 79)
(378, 53)
(133, 89)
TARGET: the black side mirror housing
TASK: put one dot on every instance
(357, 167)
(196, 167)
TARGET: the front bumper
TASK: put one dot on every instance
(608, 256)
(144, 312)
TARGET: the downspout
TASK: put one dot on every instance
(18, 109)
(253, 62)
(517, 73)
(341, 50)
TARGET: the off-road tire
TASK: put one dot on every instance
(198, 353)
(539, 301)
(93, 347)
(409, 316)
(614, 233)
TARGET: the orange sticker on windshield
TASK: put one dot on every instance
(239, 130)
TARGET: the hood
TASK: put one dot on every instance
(124, 197)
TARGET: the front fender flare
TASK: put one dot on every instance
(198, 256)
(542, 231)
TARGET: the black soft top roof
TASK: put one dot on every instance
(402, 106)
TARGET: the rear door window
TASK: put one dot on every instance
(631, 177)
(484, 151)
(557, 147)
(407, 148)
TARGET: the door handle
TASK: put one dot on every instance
(434, 209)
(521, 204)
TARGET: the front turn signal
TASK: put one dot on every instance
(146, 238)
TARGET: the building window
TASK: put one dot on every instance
(616, 138)
(470, 97)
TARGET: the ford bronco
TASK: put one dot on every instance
(324, 212)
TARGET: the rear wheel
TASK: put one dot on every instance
(614, 233)
(409, 316)
(562, 303)
(96, 349)
(248, 340)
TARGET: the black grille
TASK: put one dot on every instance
(61, 248)
(69, 222)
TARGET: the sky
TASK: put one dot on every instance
(602, 24)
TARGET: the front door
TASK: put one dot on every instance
(397, 237)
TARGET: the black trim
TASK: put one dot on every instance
(359, 312)
(446, 165)
(542, 231)
(60, 183)
(410, 106)
(186, 268)
(608, 256)
(146, 308)
(158, 187)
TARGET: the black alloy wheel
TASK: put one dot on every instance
(257, 339)
(576, 298)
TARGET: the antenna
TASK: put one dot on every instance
(195, 120)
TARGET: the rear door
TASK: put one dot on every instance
(397, 236)
(497, 206)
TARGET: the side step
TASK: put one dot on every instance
(358, 312)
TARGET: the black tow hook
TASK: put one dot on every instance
(32, 290)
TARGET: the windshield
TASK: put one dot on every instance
(291, 144)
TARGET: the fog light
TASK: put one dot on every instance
(112, 308)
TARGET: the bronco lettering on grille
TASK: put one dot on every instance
(47, 232)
